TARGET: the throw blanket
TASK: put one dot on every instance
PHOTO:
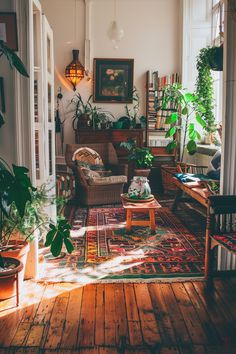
(190, 177)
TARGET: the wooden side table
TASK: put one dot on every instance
(145, 207)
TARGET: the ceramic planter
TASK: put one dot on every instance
(139, 188)
(8, 278)
(18, 250)
(142, 172)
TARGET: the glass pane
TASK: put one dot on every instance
(49, 103)
(50, 152)
(49, 54)
(36, 106)
(36, 138)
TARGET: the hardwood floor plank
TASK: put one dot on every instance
(100, 315)
(189, 314)
(149, 326)
(57, 320)
(134, 326)
(72, 319)
(87, 317)
(216, 313)
(162, 315)
(44, 310)
(210, 330)
(35, 336)
(122, 337)
(110, 315)
(20, 336)
(180, 329)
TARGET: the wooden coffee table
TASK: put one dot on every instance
(144, 207)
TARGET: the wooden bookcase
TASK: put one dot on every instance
(156, 126)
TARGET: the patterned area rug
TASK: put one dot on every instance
(105, 252)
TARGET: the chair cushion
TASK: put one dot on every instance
(87, 156)
(89, 173)
(107, 180)
(227, 240)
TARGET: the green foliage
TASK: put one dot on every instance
(142, 157)
(100, 116)
(187, 111)
(133, 113)
(13, 59)
(14, 62)
(58, 235)
(204, 86)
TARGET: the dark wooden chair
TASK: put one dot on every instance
(220, 229)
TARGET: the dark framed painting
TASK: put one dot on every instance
(2, 96)
(113, 80)
(8, 29)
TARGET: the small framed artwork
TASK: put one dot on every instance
(8, 29)
(2, 97)
(113, 80)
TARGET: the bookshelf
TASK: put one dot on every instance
(156, 116)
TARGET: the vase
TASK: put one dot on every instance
(139, 188)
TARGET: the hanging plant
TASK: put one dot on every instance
(209, 58)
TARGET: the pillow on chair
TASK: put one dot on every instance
(87, 156)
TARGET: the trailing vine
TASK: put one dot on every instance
(204, 86)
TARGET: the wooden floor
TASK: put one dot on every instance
(121, 318)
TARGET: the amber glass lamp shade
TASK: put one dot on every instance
(75, 70)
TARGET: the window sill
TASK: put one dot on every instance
(205, 149)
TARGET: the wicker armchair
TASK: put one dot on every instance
(88, 194)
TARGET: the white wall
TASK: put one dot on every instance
(7, 132)
(152, 37)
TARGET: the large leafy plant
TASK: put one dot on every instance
(15, 62)
(206, 62)
(187, 114)
(142, 156)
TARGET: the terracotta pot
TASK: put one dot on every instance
(18, 250)
(8, 278)
(142, 172)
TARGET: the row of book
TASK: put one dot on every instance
(158, 141)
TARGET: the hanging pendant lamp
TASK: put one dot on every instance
(75, 70)
(115, 33)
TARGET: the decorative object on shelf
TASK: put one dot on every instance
(113, 80)
(139, 188)
(74, 71)
(83, 112)
(8, 30)
(101, 119)
(115, 33)
(187, 111)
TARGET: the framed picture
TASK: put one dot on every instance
(113, 80)
(2, 97)
(8, 29)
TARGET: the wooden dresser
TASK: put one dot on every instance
(115, 136)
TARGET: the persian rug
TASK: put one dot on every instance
(105, 252)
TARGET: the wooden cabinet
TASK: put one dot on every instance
(115, 136)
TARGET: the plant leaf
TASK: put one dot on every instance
(172, 119)
(171, 146)
(170, 132)
(191, 147)
(49, 237)
(200, 120)
(69, 245)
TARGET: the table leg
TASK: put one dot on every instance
(152, 220)
(128, 220)
(178, 196)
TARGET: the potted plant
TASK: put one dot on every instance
(101, 119)
(132, 119)
(16, 193)
(83, 112)
(142, 157)
(209, 58)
